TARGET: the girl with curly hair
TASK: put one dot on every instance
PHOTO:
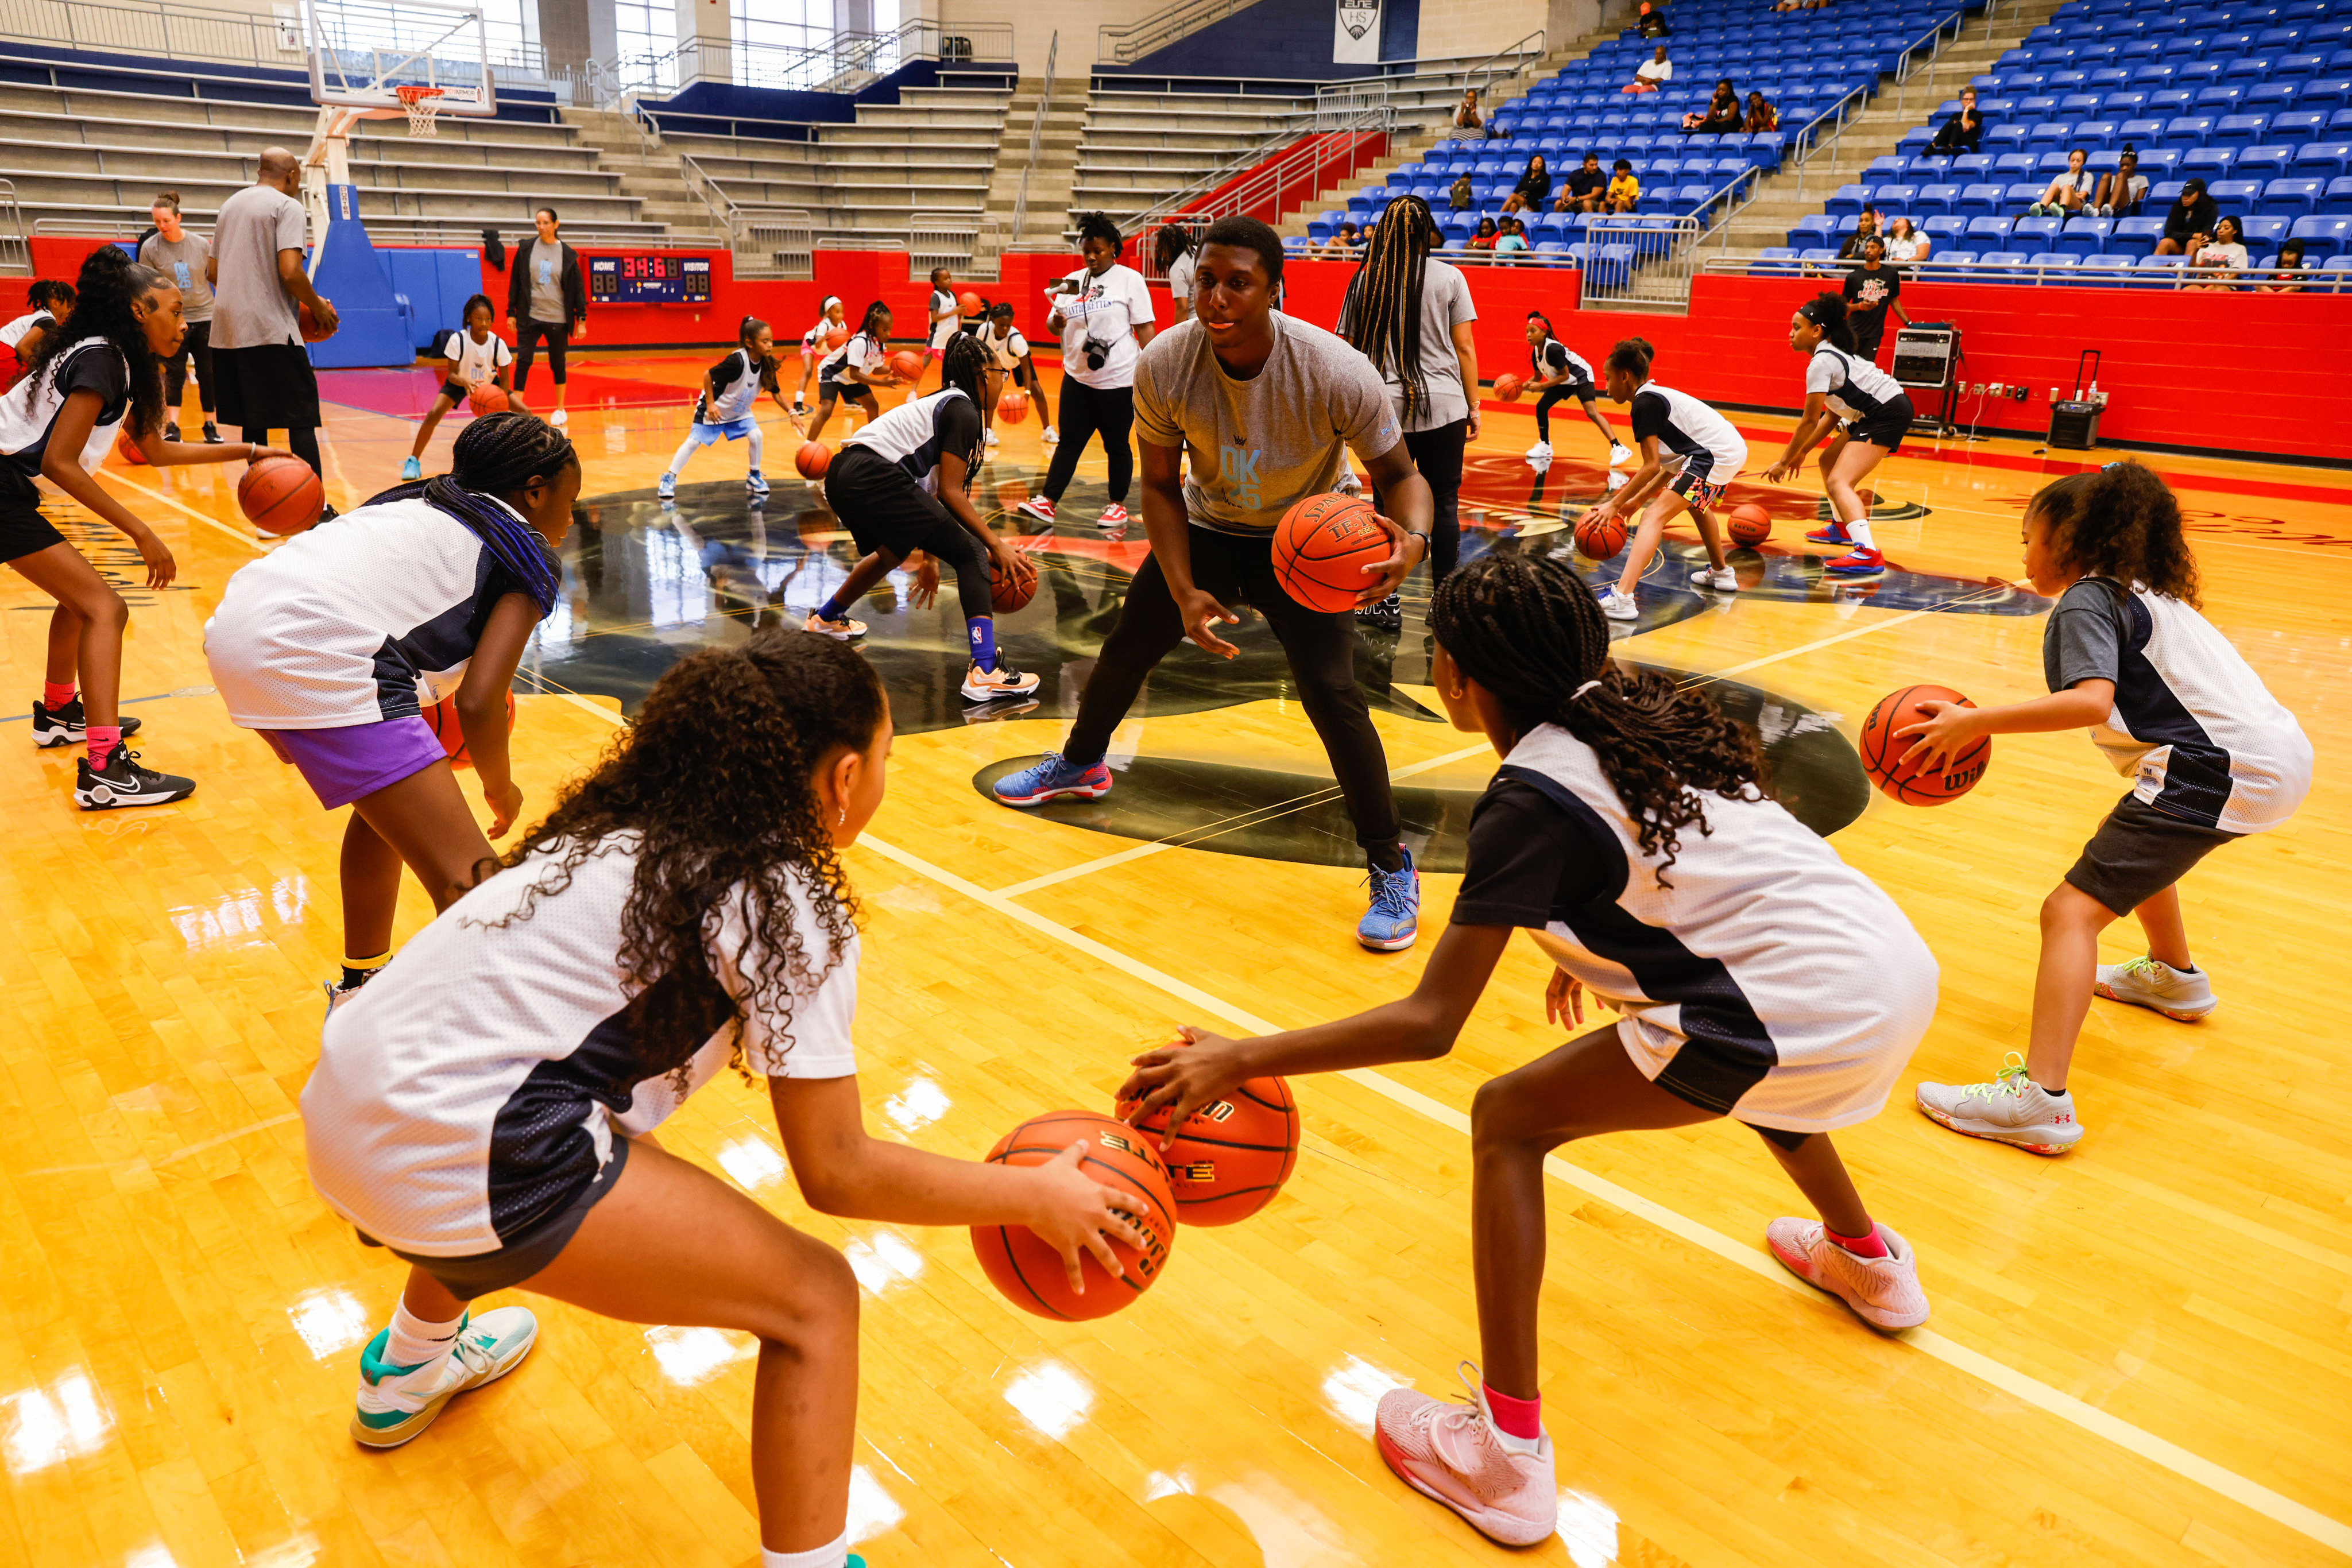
(2211, 755)
(485, 1107)
(1757, 975)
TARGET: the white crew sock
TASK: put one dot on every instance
(759, 443)
(416, 1341)
(1858, 530)
(834, 1555)
(684, 451)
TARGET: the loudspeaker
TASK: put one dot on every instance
(1924, 355)
(2075, 425)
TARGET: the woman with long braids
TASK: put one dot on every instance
(1755, 976)
(95, 374)
(901, 486)
(1409, 314)
(332, 646)
(853, 371)
(1172, 247)
(484, 1108)
(1845, 392)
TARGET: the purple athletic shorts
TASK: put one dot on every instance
(352, 762)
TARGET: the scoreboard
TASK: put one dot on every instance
(654, 278)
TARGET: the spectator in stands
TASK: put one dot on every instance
(1653, 23)
(1870, 292)
(1625, 191)
(1721, 115)
(546, 299)
(1102, 313)
(1583, 190)
(1513, 238)
(1171, 247)
(1652, 73)
(1533, 190)
(1460, 196)
(1761, 116)
(1865, 229)
(2191, 217)
(265, 380)
(1469, 125)
(2217, 262)
(2068, 193)
(2287, 279)
(2121, 192)
(1487, 236)
(50, 301)
(1343, 244)
(187, 260)
(1904, 245)
(1961, 133)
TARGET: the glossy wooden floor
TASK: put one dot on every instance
(2140, 1354)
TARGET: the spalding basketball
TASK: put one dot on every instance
(1508, 387)
(836, 337)
(1882, 751)
(813, 459)
(1321, 548)
(1012, 407)
(1750, 524)
(970, 304)
(1007, 594)
(309, 324)
(1230, 1157)
(442, 718)
(281, 495)
(487, 398)
(1029, 1272)
(1599, 538)
(127, 449)
(905, 365)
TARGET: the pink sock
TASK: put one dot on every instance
(103, 738)
(55, 696)
(1517, 1417)
(1870, 1246)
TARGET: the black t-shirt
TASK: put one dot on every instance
(1868, 295)
(2184, 218)
(1528, 859)
(958, 425)
(1582, 183)
(97, 370)
(1533, 187)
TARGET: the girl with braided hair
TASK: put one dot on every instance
(902, 487)
(1870, 414)
(332, 646)
(2212, 757)
(1755, 973)
(484, 1109)
(1409, 314)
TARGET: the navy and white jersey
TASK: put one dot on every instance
(739, 377)
(1005, 353)
(476, 1086)
(30, 409)
(362, 618)
(1857, 389)
(2193, 725)
(470, 361)
(864, 353)
(915, 436)
(1693, 435)
(14, 332)
(813, 341)
(1762, 976)
(1551, 356)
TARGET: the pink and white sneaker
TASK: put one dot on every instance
(1455, 1454)
(1883, 1291)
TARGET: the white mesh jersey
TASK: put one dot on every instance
(30, 408)
(948, 325)
(474, 1086)
(863, 353)
(1551, 356)
(1856, 389)
(1694, 437)
(914, 435)
(1006, 352)
(14, 332)
(359, 620)
(739, 377)
(470, 361)
(1762, 977)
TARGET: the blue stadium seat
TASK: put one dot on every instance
(2339, 124)
(2300, 65)
(2137, 235)
(2208, 164)
(1818, 254)
(2270, 97)
(1894, 199)
(2330, 89)
(1936, 199)
(2338, 196)
(2162, 262)
(1814, 228)
(2327, 231)
(1971, 167)
(2169, 102)
(2157, 161)
(1771, 254)
(2232, 193)
(1945, 230)
(2139, 132)
(2292, 198)
(2239, 130)
(1847, 200)
(2324, 159)
(1324, 226)
(2265, 162)
(2108, 263)
(2265, 231)
(2164, 193)
(2041, 232)
(2297, 125)
(1956, 258)
(2050, 135)
(2248, 68)
(1989, 228)
(2189, 130)
(2006, 139)
(2094, 134)
(2011, 167)
(2054, 258)
(2086, 236)
(2123, 105)
(2010, 258)
(2024, 193)
(1980, 201)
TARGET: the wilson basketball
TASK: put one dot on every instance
(1230, 1157)
(970, 304)
(905, 365)
(487, 399)
(1508, 387)
(442, 718)
(127, 449)
(1012, 407)
(813, 459)
(309, 324)
(836, 337)
(1007, 594)
(1599, 538)
(1750, 524)
(282, 495)
(1883, 751)
(1029, 1272)
(1321, 548)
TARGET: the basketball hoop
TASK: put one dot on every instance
(420, 103)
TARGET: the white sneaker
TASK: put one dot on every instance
(2012, 1109)
(1619, 606)
(1883, 1291)
(1539, 453)
(840, 630)
(755, 484)
(1455, 1454)
(1722, 579)
(1617, 481)
(1052, 435)
(666, 487)
(396, 1403)
(994, 686)
(1620, 453)
(2183, 994)
(992, 438)
(559, 419)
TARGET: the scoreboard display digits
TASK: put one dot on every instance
(652, 277)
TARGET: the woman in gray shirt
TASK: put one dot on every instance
(546, 299)
(187, 260)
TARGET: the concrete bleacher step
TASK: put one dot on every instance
(1054, 175)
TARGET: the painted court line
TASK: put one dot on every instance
(247, 540)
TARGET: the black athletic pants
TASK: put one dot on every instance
(1438, 455)
(885, 509)
(1552, 395)
(303, 443)
(1321, 649)
(198, 343)
(1086, 411)
(527, 337)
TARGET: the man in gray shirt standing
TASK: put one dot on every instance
(187, 260)
(265, 380)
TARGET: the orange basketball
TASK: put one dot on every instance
(1750, 524)
(309, 323)
(813, 459)
(1321, 548)
(442, 717)
(1013, 406)
(282, 495)
(1883, 751)
(970, 304)
(1600, 538)
(905, 365)
(1006, 595)
(1030, 1273)
(1230, 1157)
(1507, 387)
(836, 337)
(127, 449)
(487, 398)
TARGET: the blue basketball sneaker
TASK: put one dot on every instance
(1052, 777)
(1394, 922)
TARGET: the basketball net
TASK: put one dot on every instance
(421, 103)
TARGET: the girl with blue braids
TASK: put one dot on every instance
(332, 646)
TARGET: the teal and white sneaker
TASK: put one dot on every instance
(1394, 922)
(411, 468)
(396, 1403)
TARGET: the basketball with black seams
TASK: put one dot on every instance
(813, 459)
(1231, 1155)
(487, 398)
(1599, 538)
(1886, 754)
(1322, 549)
(1012, 407)
(1029, 1271)
(1508, 387)
(1750, 524)
(1007, 594)
(280, 495)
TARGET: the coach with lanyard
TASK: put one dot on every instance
(1103, 311)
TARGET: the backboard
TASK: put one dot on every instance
(362, 51)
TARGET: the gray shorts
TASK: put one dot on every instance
(485, 1272)
(2138, 852)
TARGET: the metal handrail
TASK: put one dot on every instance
(1390, 85)
(15, 251)
(1120, 45)
(1809, 144)
(704, 187)
(816, 65)
(399, 231)
(152, 28)
(1379, 119)
(2254, 280)
(1904, 68)
(1036, 140)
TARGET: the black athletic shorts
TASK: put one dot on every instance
(271, 387)
(454, 391)
(1886, 432)
(527, 1253)
(880, 504)
(847, 391)
(2138, 852)
(24, 531)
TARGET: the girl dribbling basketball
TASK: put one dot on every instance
(484, 1108)
(1757, 975)
(728, 406)
(1869, 411)
(832, 331)
(472, 357)
(1689, 452)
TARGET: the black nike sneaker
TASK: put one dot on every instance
(1382, 614)
(123, 782)
(171, 430)
(55, 726)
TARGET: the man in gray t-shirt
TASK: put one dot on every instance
(187, 260)
(1265, 405)
(265, 380)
